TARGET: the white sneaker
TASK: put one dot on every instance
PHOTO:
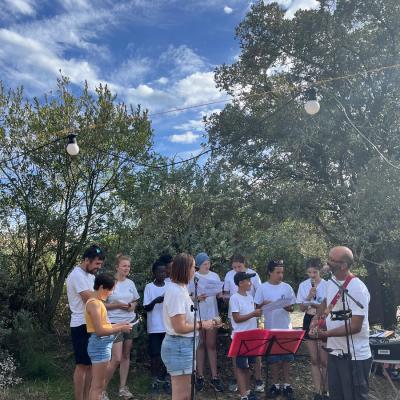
(259, 387)
(104, 396)
(124, 392)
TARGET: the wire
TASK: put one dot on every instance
(64, 132)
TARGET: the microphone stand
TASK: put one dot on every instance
(194, 308)
(345, 316)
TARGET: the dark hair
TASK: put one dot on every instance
(272, 264)
(180, 271)
(238, 258)
(314, 263)
(155, 265)
(105, 280)
(93, 252)
(165, 259)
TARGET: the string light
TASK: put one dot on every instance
(72, 146)
(312, 106)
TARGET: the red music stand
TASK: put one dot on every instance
(265, 342)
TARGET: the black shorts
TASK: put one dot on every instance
(155, 342)
(306, 324)
(80, 339)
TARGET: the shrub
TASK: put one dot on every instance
(8, 369)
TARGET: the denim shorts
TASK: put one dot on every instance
(243, 362)
(177, 354)
(99, 348)
(279, 358)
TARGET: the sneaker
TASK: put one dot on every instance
(233, 387)
(199, 383)
(124, 392)
(252, 396)
(167, 388)
(104, 396)
(259, 386)
(217, 385)
(274, 391)
(288, 392)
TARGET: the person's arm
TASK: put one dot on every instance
(242, 318)
(354, 327)
(149, 307)
(86, 295)
(181, 326)
(115, 306)
(94, 310)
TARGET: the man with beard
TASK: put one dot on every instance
(79, 289)
(348, 379)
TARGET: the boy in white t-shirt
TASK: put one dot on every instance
(272, 290)
(239, 264)
(243, 317)
(153, 305)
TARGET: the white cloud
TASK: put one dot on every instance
(184, 138)
(24, 7)
(292, 6)
(132, 71)
(183, 60)
(228, 10)
(197, 124)
(163, 80)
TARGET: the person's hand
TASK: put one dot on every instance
(123, 306)
(202, 297)
(159, 299)
(289, 308)
(257, 312)
(208, 324)
(265, 302)
(312, 293)
(126, 328)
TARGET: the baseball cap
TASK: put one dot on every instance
(241, 276)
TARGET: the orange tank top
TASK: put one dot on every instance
(103, 314)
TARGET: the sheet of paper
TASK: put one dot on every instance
(208, 287)
(281, 303)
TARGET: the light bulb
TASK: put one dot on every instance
(312, 107)
(72, 146)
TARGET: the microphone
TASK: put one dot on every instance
(313, 285)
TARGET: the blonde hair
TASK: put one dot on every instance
(121, 257)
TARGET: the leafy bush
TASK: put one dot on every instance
(8, 369)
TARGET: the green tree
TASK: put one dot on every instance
(322, 169)
(52, 205)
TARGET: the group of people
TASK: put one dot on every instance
(103, 326)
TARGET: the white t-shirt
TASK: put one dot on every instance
(304, 290)
(155, 323)
(232, 288)
(124, 292)
(276, 319)
(208, 309)
(167, 280)
(242, 305)
(359, 291)
(78, 281)
(177, 301)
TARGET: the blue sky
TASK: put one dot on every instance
(157, 53)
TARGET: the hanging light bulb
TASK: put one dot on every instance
(312, 106)
(72, 146)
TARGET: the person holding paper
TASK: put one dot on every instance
(310, 295)
(275, 290)
(244, 318)
(208, 310)
(121, 306)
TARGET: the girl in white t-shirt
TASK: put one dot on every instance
(121, 306)
(310, 295)
(178, 317)
(208, 309)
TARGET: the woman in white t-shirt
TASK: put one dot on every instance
(208, 310)
(310, 295)
(178, 317)
(121, 306)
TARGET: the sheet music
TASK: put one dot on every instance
(278, 304)
(208, 287)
